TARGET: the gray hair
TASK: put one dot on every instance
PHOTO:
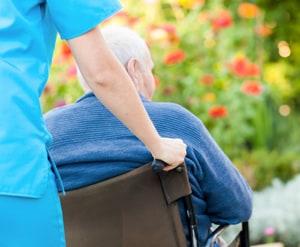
(125, 44)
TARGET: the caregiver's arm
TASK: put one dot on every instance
(110, 83)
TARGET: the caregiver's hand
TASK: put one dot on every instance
(112, 85)
(171, 151)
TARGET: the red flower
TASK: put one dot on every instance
(253, 69)
(252, 88)
(65, 51)
(222, 20)
(207, 79)
(239, 66)
(218, 111)
(242, 67)
(174, 57)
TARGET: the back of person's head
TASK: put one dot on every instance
(125, 44)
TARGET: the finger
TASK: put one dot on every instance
(170, 167)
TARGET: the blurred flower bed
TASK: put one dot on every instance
(276, 215)
(227, 63)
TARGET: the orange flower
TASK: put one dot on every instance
(222, 20)
(248, 10)
(242, 67)
(218, 112)
(209, 97)
(48, 89)
(263, 31)
(132, 20)
(207, 79)
(174, 57)
(252, 88)
(65, 51)
(204, 16)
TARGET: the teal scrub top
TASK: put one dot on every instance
(28, 30)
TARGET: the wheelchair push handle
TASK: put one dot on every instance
(159, 165)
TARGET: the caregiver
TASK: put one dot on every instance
(30, 211)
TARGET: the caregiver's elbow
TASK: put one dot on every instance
(100, 79)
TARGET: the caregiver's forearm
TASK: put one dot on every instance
(111, 83)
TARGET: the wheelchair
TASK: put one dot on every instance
(136, 209)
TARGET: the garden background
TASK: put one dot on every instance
(235, 65)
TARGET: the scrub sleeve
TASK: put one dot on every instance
(38, 222)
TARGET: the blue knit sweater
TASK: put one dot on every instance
(91, 145)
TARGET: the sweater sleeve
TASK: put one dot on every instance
(227, 195)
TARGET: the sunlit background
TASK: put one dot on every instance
(235, 65)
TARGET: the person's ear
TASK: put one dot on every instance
(132, 70)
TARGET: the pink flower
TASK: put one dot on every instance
(269, 231)
(60, 103)
(71, 72)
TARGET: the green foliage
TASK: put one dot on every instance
(260, 167)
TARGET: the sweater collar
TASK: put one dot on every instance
(92, 95)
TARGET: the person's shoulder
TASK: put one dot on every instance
(58, 111)
(169, 108)
(173, 113)
(81, 104)
(63, 116)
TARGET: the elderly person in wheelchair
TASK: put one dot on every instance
(90, 145)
